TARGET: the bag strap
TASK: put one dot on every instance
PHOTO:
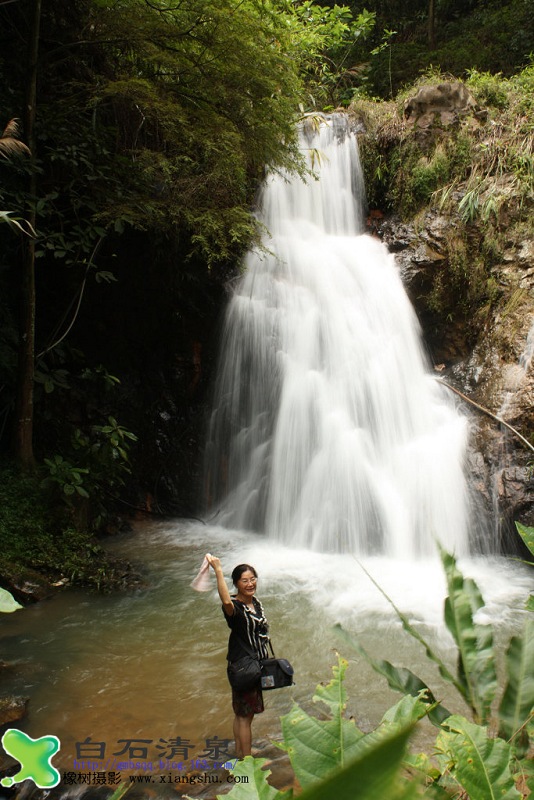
(245, 645)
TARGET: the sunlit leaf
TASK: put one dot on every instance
(527, 534)
(254, 786)
(7, 602)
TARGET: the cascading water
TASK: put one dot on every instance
(328, 431)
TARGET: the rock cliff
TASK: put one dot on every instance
(466, 256)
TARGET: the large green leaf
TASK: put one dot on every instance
(250, 782)
(480, 764)
(527, 534)
(400, 679)
(374, 775)
(476, 670)
(317, 747)
(518, 698)
(7, 602)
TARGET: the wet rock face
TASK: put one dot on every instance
(495, 369)
(499, 375)
(421, 257)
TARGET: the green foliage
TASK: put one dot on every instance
(487, 36)
(476, 678)
(102, 460)
(476, 681)
(476, 660)
(427, 175)
(527, 535)
(336, 739)
(67, 477)
(477, 172)
(408, 681)
(481, 765)
(401, 679)
(34, 536)
(489, 89)
(373, 774)
(332, 759)
(255, 786)
(155, 124)
(328, 39)
(518, 697)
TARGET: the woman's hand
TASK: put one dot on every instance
(214, 562)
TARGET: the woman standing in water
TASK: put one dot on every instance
(249, 631)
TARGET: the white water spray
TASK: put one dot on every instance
(328, 432)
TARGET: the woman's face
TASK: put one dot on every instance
(246, 584)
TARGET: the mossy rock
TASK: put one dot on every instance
(25, 584)
(12, 708)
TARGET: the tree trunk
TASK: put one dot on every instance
(26, 358)
(431, 23)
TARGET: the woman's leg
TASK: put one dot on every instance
(243, 735)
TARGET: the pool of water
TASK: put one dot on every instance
(144, 672)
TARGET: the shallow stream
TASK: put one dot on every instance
(150, 665)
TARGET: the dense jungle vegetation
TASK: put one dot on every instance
(145, 130)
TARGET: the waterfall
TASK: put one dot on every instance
(328, 430)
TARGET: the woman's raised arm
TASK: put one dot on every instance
(222, 588)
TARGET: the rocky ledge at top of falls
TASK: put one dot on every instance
(491, 367)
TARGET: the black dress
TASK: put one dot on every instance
(250, 627)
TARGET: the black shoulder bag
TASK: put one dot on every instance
(245, 673)
(250, 672)
(276, 673)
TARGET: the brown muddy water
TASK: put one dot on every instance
(140, 676)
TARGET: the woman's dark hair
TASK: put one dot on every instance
(239, 570)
